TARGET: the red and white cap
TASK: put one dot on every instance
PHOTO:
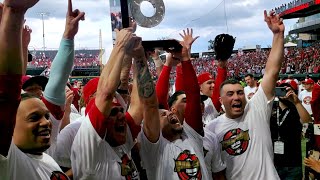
(289, 82)
(308, 81)
(204, 77)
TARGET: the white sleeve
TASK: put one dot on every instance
(191, 133)
(64, 144)
(212, 150)
(300, 96)
(261, 106)
(85, 150)
(150, 152)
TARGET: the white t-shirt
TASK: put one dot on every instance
(249, 91)
(93, 158)
(210, 112)
(180, 159)
(65, 141)
(19, 166)
(305, 98)
(54, 135)
(212, 153)
(246, 141)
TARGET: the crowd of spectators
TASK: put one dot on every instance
(83, 58)
(297, 61)
(290, 5)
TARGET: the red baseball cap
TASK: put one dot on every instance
(308, 81)
(89, 89)
(289, 82)
(204, 77)
(29, 80)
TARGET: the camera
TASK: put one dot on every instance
(280, 91)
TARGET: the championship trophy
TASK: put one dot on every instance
(124, 11)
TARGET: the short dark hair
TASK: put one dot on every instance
(229, 81)
(174, 97)
(26, 96)
(249, 74)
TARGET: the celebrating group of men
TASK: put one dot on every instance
(122, 135)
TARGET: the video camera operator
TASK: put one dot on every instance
(286, 121)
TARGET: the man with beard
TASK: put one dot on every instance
(172, 148)
(102, 146)
(24, 126)
(286, 125)
(243, 131)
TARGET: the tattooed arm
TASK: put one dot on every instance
(147, 94)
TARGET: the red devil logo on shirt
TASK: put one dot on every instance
(57, 175)
(128, 169)
(188, 166)
(235, 142)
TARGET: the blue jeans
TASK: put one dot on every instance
(290, 173)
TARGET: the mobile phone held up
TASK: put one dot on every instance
(280, 91)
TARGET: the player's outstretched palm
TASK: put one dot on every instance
(274, 22)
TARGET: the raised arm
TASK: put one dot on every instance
(147, 94)
(11, 66)
(62, 64)
(221, 76)
(157, 61)
(193, 115)
(315, 102)
(162, 86)
(26, 38)
(110, 78)
(276, 55)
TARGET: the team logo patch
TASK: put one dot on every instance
(57, 175)
(250, 95)
(307, 100)
(128, 169)
(235, 142)
(188, 166)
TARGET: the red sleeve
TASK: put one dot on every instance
(315, 103)
(135, 129)
(315, 106)
(221, 77)
(193, 114)
(97, 120)
(9, 103)
(179, 79)
(76, 98)
(162, 87)
(55, 110)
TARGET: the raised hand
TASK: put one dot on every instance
(171, 60)
(72, 21)
(274, 22)
(312, 163)
(21, 5)
(26, 36)
(126, 39)
(187, 42)
(291, 96)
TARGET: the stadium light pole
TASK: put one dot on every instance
(42, 14)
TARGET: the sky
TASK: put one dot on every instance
(241, 18)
